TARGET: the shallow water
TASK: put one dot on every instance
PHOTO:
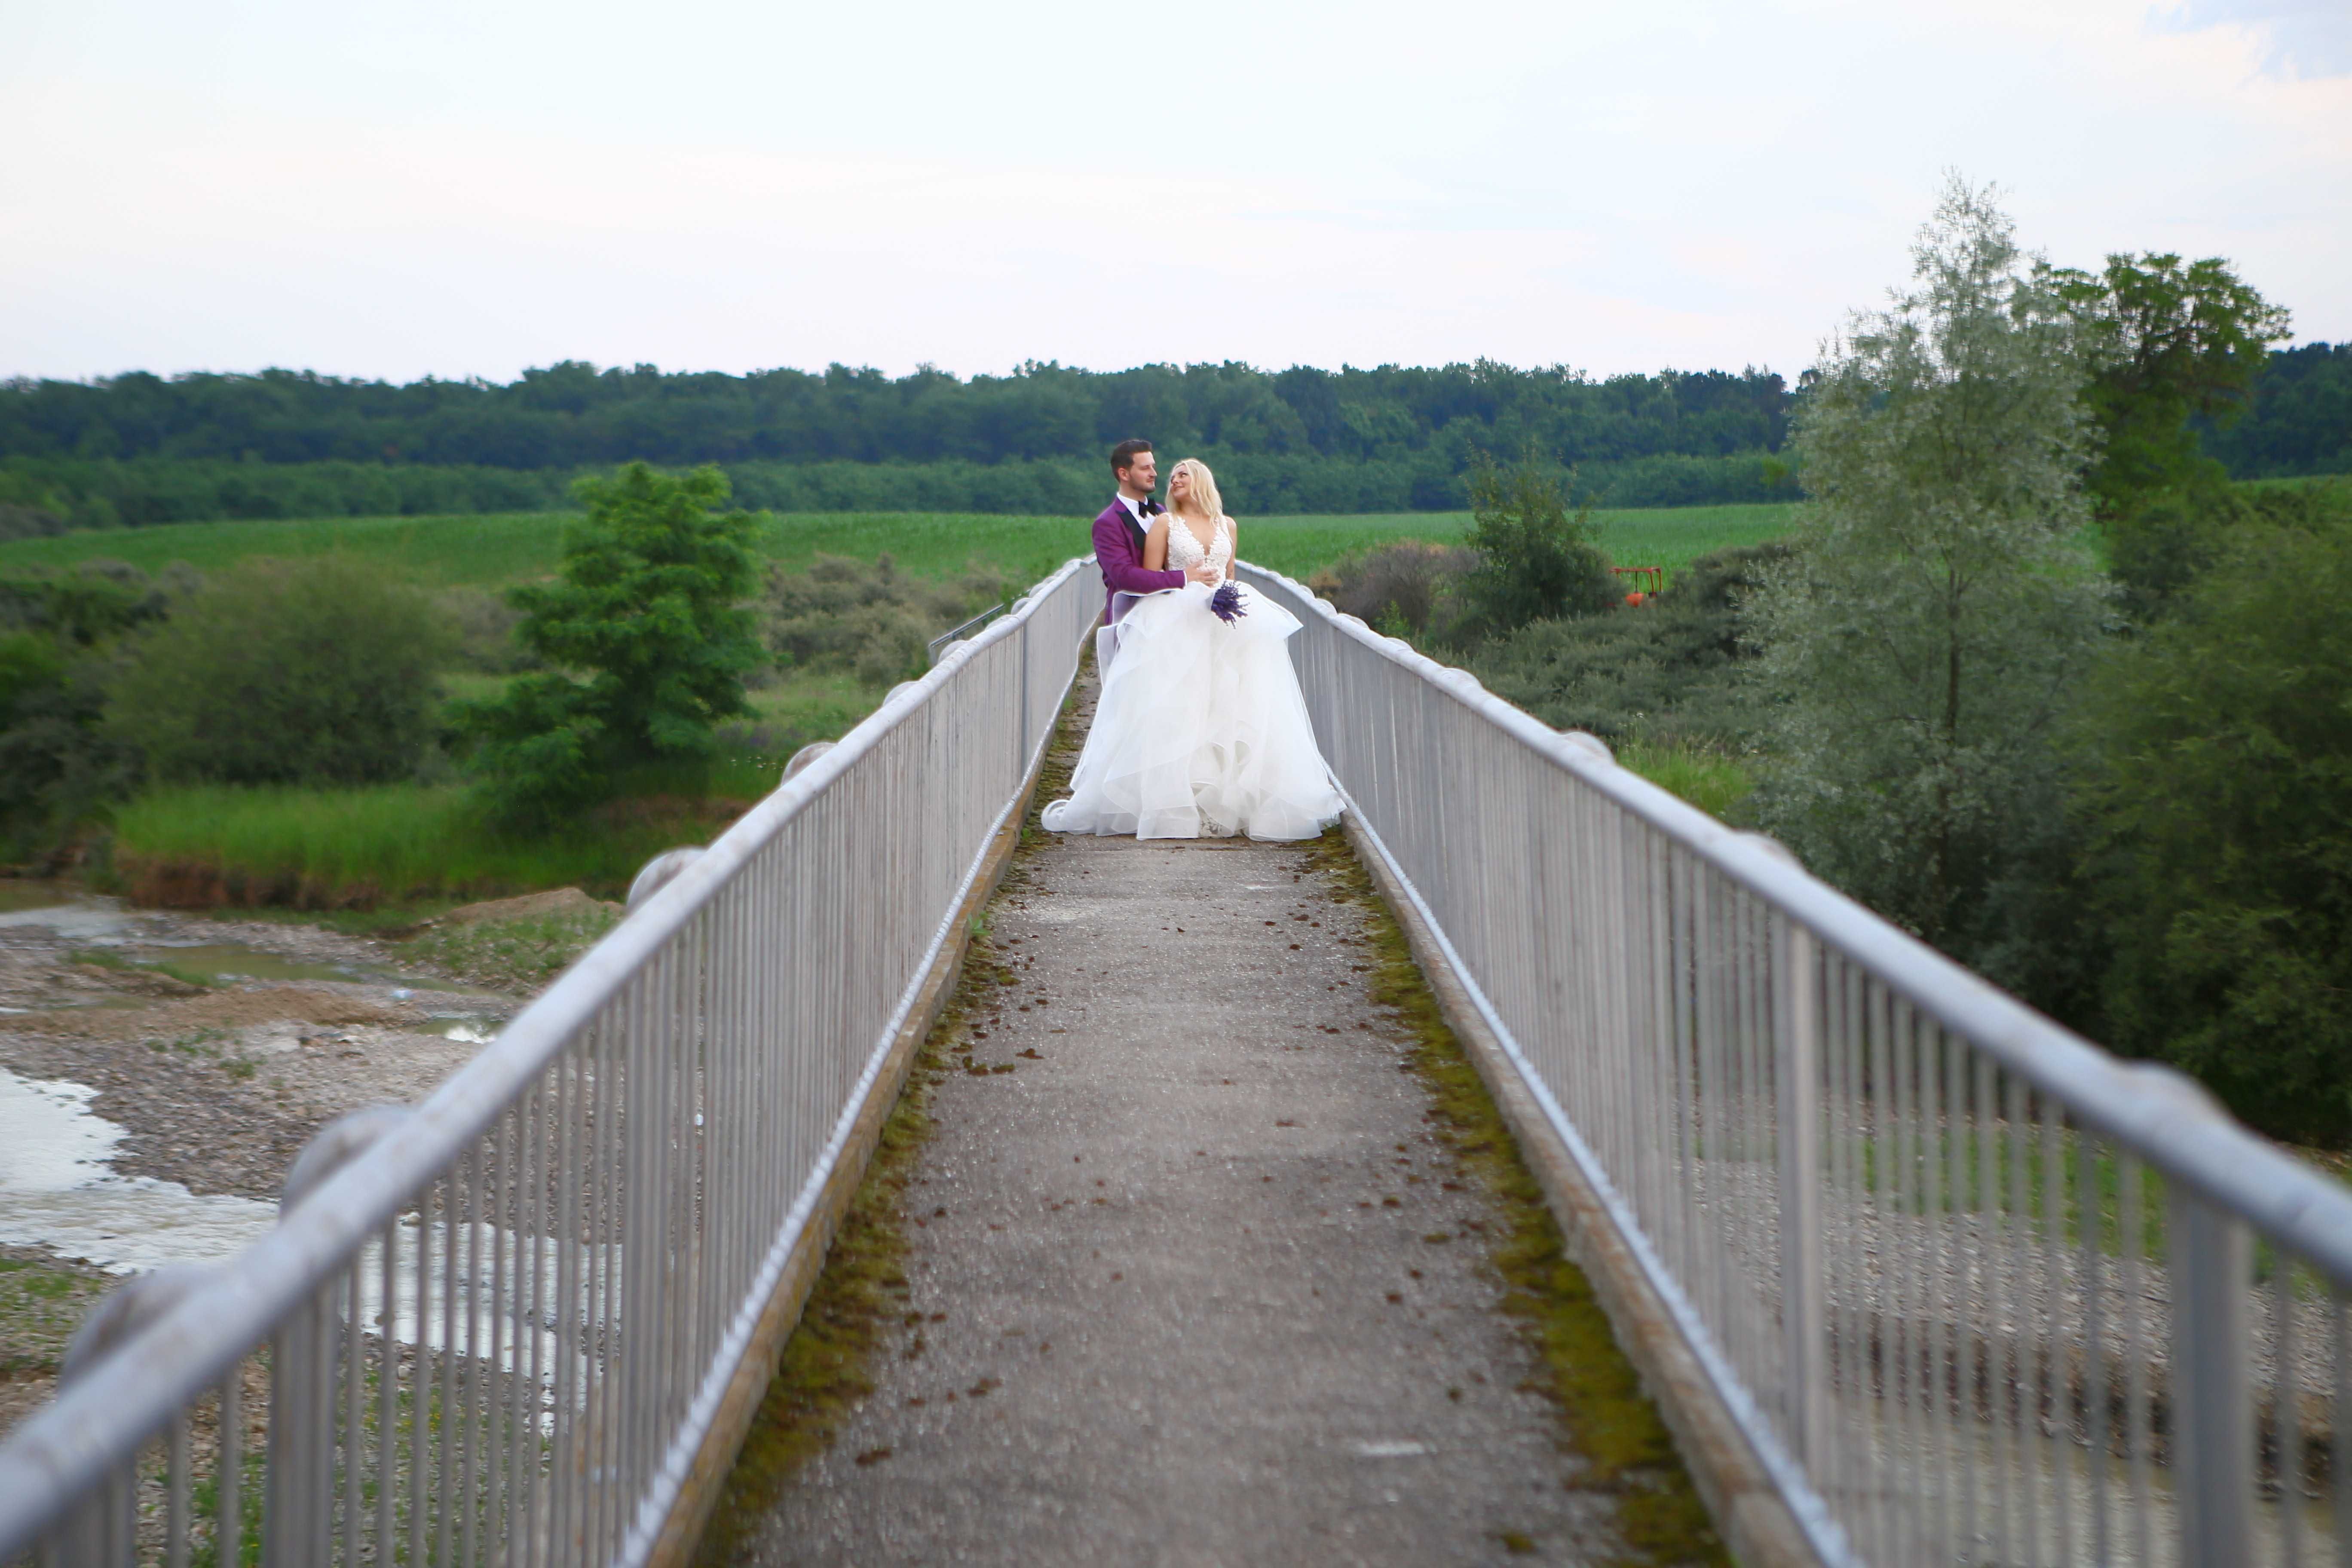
(59, 1190)
(79, 917)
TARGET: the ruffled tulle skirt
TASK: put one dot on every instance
(1200, 730)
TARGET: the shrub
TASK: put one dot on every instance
(2215, 754)
(1403, 589)
(28, 522)
(483, 627)
(311, 671)
(2162, 546)
(1668, 674)
(1537, 560)
(843, 615)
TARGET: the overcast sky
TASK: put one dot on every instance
(467, 189)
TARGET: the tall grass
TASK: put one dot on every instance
(322, 849)
(1709, 780)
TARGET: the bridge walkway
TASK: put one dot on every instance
(1196, 1282)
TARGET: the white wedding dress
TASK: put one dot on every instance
(1201, 732)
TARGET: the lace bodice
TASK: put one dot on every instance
(1184, 551)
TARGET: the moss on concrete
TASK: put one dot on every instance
(1607, 1422)
(862, 1291)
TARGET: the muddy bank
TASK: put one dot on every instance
(159, 1073)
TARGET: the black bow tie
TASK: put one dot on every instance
(1147, 508)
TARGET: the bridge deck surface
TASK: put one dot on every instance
(1183, 1293)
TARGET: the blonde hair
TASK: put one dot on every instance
(1202, 497)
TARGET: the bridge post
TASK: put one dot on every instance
(2212, 1433)
(1798, 1075)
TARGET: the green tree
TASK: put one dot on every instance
(1921, 643)
(2175, 341)
(1536, 558)
(2214, 758)
(311, 671)
(648, 635)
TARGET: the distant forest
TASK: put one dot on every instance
(140, 448)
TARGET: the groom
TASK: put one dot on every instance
(1119, 531)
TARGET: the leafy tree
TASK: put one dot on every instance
(2176, 341)
(646, 635)
(1921, 643)
(2215, 772)
(1537, 559)
(317, 670)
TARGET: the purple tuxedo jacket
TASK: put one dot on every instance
(1118, 551)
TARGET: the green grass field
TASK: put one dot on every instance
(396, 845)
(493, 550)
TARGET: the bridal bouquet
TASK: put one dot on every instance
(1227, 603)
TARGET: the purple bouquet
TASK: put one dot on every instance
(1227, 603)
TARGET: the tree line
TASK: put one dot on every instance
(140, 448)
(574, 415)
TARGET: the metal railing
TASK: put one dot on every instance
(497, 1328)
(956, 634)
(1974, 1291)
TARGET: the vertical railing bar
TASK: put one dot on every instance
(498, 1449)
(2056, 1358)
(1966, 1279)
(1902, 1268)
(469, 1381)
(452, 1210)
(1799, 1072)
(1931, 1248)
(2098, 1421)
(420, 1420)
(353, 1343)
(1992, 1231)
(2015, 1123)
(229, 1532)
(2339, 1435)
(177, 1525)
(1883, 1153)
(387, 1385)
(2212, 1458)
(2286, 1409)
(2137, 1426)
(1851, 1465)
(575, 1265)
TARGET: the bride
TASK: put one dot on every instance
(1200, 730)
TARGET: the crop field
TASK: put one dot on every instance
(496, 549)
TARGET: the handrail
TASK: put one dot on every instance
(607, 1046)
(1856, 1174)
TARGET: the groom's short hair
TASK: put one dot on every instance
(1122, 457)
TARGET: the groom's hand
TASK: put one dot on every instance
(1204, 575)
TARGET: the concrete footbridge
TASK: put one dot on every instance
(1534, 1168)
